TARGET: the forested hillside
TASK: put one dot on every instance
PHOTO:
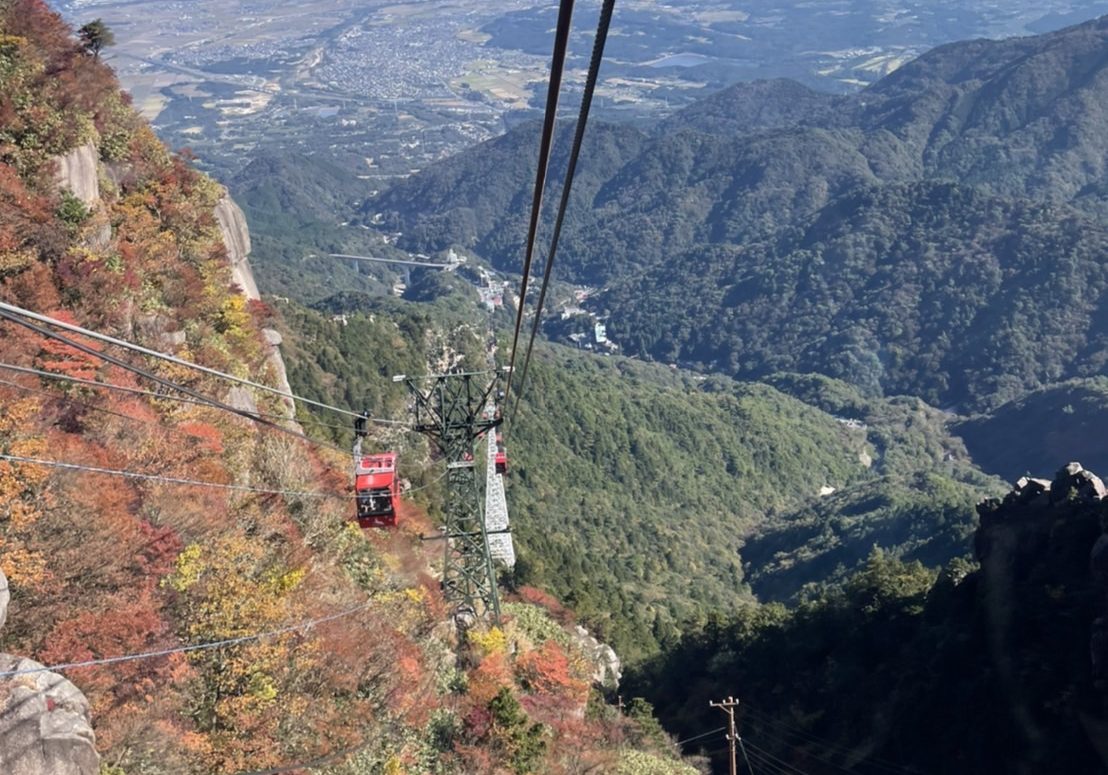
(627, 478)
(212, 550)
(1000, 668)
(894, 238)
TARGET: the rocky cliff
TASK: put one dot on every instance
(45, 723)
(79, 172)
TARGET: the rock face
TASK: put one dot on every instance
(236, 236)
(607, 669)
(45, 723)
(78, 172)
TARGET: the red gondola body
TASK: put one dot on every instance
(501, 461)
(376, 489)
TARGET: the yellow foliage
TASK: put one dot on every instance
(13, 262)
(491, 642)
(189, 566)
(21, 565)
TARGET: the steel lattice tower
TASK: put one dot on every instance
(450, 409)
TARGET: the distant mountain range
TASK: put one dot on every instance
(936, 234)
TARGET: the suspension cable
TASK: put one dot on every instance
(12, 309)
(140, 392)
(160, 380)
(64, 666)
(578, 138)
(166, 479)
(557, 64)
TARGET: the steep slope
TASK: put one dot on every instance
(1024, 435)
(209, 551)
(996, 669)
(626, 479)
(928, 289)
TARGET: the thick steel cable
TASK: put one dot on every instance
(578, 139)
(15, 318)
(167, 479)
(140, 392)
(90, 406)
(64, 666)
(554, 86)
(12, 309)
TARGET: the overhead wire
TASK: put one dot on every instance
(66, 666)
(823, 754)
(578, 139)
(554, 86)
(763, 718)
(166, 479)
(767, 765)
(766, 754)
(160, 380)
(151, 393)
(8, 310)
(69, 399)
(697, 737)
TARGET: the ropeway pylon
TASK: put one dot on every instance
(496, 506)
(451, 409)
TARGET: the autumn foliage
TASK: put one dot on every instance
(294, 635)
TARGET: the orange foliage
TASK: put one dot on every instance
(547, 670)
(489, 677)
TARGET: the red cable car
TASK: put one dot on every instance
(376, 489)
(501, 460)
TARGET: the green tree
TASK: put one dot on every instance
(95, 36)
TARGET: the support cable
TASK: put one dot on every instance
(166, 479)
(64, 666)
(140, 392)
(14, 318)
(578, 139)
(557, 64)
(11, 309)
(90, 406)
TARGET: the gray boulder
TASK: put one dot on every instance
(45, 723)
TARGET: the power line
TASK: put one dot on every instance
(697, 737)
(761, 717)
(554, 85)
(64, 666)
(766, 754)
(165, 479)
(765, 732)
(12, 309)
(768, 765)
(578, 139)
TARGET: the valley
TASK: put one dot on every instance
(827, 328)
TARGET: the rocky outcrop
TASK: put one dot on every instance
(236, 236)
(45, 723)
(79, 173)
(1043, 551)
(607, 669)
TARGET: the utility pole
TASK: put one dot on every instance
(728, 706)
(449, 408)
